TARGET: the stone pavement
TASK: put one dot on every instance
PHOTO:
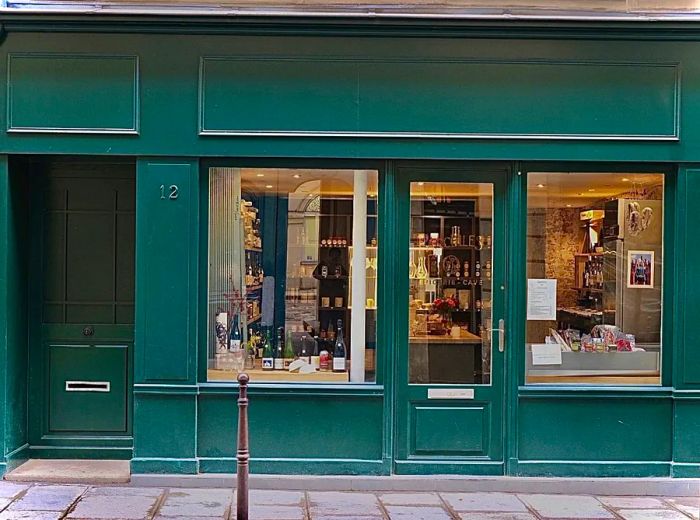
(79, 502)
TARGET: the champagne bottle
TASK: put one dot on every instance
(315, 358)
(268, 362)
(279, 350)
(339, 352)
(288, 350)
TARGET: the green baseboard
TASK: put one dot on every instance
(297, 466)
(77, 452)
(437, 467)
(527, 468)
(685, 469)
(163, 465)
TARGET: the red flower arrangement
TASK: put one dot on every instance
(445, 305)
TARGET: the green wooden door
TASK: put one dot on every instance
(84, 298)
(450, 302)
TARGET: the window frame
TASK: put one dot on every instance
(383, 311)
(668, 323)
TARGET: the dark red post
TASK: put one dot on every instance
(243, 453)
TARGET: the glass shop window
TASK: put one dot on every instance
(594, 278)
(292, 275)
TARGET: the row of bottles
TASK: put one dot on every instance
(254, 271)
(312, 351)
(593, 273)
(430, 268)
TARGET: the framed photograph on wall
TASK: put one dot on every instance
(640, 269)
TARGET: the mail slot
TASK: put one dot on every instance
(87, 386)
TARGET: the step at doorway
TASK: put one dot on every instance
(72, 471)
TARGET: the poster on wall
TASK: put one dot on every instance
(541, 299)
(640, 269)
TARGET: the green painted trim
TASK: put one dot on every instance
(591, 391)
(685, 470)
(555, 468)
(280, 389)
(296, 466)
(78, 452)
(146, 389)
(354, 25)
(164, 465)
(449, 467)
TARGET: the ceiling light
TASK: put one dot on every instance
(540, 185)
(421, 183)
(260, 175)
(568, 205)
(296, 176)
(625, 179)
(269, 186)
(591, 189)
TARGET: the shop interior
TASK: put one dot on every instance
(298, 301)
(594, 269)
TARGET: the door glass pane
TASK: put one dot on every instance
(450, 270)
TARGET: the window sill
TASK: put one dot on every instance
(286, 388)
(573, 391)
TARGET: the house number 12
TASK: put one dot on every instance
(172, 192)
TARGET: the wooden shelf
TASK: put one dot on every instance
(260, 375)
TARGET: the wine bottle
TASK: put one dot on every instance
(288, 350)
(315, 358)
(268, 361)
(339, 352)
(234, 338)
(279, 350)
(305, 355)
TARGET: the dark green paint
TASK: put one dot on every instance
(565, 78)
(72, 92)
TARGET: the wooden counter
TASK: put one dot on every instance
(447, 339)
(259, 375)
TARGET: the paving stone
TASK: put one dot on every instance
(651, 514)
(689, 505)
(417, 513)
(346, 517)
(48, 498)
(496, 516)
(10, 489)
(270, 497)
(632, 502)
(410, 499)
(257, 512)
(566, 506)
(123, 491)
(340, 503)
(196, 502)
(4, 502)
(488, 502)
(114, 506)
(31, 515)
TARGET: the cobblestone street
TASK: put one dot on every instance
(74, 502)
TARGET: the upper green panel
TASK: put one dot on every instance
(71, 93)
(439, 97)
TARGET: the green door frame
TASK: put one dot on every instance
(489, 400)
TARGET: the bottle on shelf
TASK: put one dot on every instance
(315, 358)
(339, 351)
(279, 350)
(305, 355)
(433, 265)
(331, 332)
(268, 360)
(288, 350)
(234, 338)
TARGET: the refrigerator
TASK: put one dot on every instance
(632, 295)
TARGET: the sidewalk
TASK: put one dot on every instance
(74, 502)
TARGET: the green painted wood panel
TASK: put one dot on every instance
(688, 285)
(686, 431)
(595, 429)
(166, 313)
(439, 97)
(294, 427)
(54, 92)
(85, 411)
(450, 430)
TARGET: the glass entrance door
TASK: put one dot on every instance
(452, 339)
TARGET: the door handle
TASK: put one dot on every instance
(501, 334)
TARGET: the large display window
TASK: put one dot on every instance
(595, 259)
(292, 293)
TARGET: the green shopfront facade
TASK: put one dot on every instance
(128, 116)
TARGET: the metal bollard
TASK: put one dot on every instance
(243, 453)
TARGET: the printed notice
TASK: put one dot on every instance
(541, 299)
(546, 354)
